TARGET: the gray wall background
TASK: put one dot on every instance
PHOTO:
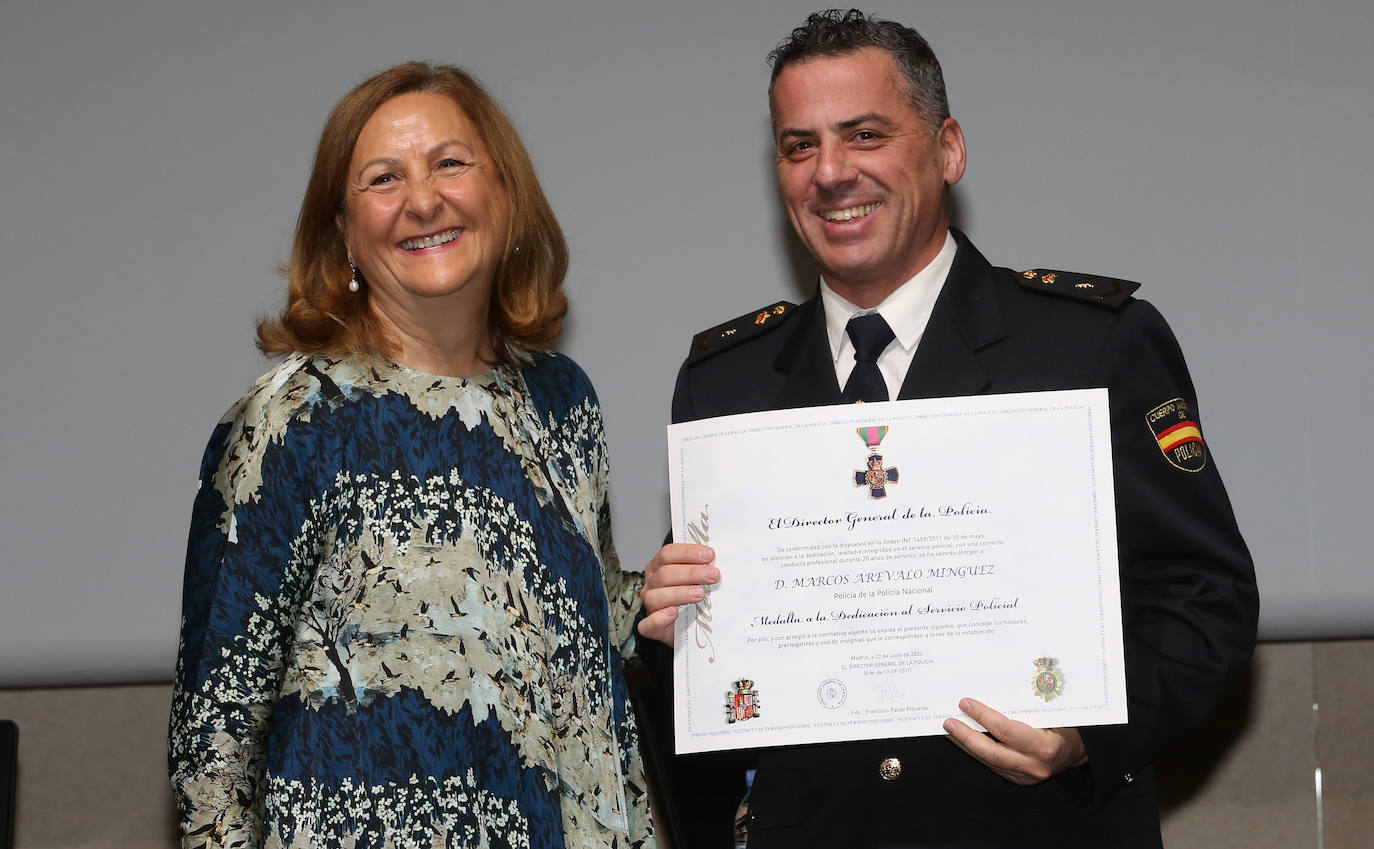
(154, 155)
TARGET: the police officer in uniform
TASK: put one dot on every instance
(907, 307)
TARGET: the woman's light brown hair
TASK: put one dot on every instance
(323, 317)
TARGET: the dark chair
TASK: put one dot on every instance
(9, 779)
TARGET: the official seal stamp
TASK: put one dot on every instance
(1048, 682)
(831, 693)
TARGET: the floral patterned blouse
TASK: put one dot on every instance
(403, 617)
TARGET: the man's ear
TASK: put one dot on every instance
(950, 138)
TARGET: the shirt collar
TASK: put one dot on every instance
(906, 311)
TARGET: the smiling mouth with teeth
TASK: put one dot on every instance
(849, 214)
(431, 241)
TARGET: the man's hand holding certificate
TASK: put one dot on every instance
(879, 562)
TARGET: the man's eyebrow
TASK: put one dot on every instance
(795, 133)
(868, 118)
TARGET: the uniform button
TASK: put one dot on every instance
(1128, 779)
(890, 769)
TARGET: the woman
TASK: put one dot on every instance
(403, 616)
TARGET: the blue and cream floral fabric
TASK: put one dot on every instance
(403, 617)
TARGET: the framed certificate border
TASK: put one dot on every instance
(881, 561)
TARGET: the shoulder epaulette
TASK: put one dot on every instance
(735, 331)
(1107, 291)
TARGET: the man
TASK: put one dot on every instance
(866, 151)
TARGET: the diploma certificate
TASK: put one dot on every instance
(881, 561)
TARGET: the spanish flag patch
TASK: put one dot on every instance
(1178, 435)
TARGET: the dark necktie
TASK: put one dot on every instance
(870, 335)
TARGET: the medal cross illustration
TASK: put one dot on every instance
(875, 477)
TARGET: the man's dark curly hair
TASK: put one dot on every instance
(835, 32)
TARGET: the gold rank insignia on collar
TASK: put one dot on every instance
(1108, 291)
(735, 331)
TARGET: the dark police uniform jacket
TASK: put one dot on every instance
(1187, 582)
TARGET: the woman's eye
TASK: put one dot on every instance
(451, 163)
(382, 179)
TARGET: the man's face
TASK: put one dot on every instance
(861, 177)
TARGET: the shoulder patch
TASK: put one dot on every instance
(1179, 437)
(1108, 291)
(735, 331)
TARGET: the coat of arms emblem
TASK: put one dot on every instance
(742, 702)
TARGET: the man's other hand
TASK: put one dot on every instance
(1014, 750)
(677, 575)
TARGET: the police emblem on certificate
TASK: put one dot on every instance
(973, 550)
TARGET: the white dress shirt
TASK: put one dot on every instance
(906, 311)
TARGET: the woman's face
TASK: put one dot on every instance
(425, 216)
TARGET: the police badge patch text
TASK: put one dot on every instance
(1178, 435)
